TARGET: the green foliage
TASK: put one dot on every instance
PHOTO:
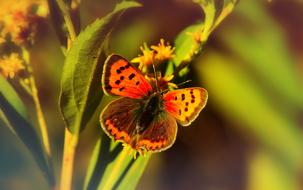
(131, 178)
(82, 71)
(14, 115)
(58, 22)
(185, 48)
(190, 41)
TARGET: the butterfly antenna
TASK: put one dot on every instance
(182, 83)
(156, 78)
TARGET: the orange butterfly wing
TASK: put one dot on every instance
(185, 104)
(122, 79)
(118, 118)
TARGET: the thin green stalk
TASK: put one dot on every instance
(40, 115)
(224, 13)
(70, 139)
(67, 18)
(6, 122)
(25, 86)
(33, 91)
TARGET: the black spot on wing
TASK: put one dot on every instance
(131, 76)
(117, 82)
(183, 97)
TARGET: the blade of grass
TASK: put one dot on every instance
(134, 173)
(14, 114)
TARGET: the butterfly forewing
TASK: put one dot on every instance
(118, 119)
(185, 104)
(122, 79)
(159, 135)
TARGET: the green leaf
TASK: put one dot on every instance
(237, 95)
(105, 157)
(186, 45)
(57, 19)
(185, 48)
(58, 22)
(81, 79)
(90, 175)
(209, 9)
(134, 173)
(190, 41)
(14, 115)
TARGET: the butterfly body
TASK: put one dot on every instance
(145, 118)
(150, 109)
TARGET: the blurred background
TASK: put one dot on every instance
(250, 135)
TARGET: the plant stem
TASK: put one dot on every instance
(40, 116)
(33, 91)
(70, 144)
(68, 21)
(70, 139)
(224, 13)
(25, 86)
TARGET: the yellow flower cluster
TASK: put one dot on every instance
(163, 52)
(19, 19)
(11, 65)
(147, 58)
(155, 54)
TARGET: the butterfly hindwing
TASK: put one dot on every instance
(122, 79)
(185, 104)
(118, 119)
(159, 135)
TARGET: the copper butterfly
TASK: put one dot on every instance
(144, 118)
